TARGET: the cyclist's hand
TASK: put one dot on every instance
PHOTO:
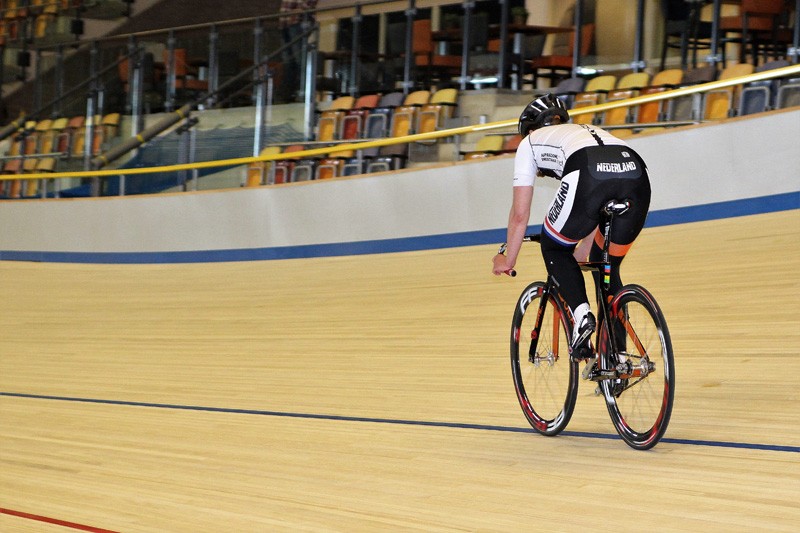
(500, 265)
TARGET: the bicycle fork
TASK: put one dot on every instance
(552, 356)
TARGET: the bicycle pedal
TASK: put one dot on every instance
(589, 370)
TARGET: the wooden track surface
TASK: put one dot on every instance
(374, 393)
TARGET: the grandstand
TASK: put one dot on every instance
(181, 107)
(160, 94)
(207, 327)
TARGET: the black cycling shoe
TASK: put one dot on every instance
(581, 347)
(582, 353)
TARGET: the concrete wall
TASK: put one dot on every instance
(740, 166)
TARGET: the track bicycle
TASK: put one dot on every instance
(633, 364)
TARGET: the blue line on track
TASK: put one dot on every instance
(456, 425)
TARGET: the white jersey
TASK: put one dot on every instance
(547, 149)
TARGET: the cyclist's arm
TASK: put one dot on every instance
(517, 225)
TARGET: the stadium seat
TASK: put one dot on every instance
(651, 112)
(788, 95)
(487, 146)
(329, 124)
(47, 140)
(332, 165)
(282, 169)
(440, 107)
(760, 96)
(379, 118)
(260, 173)
(405, 116)
(568, 88)
(594, 93)
(627, 87)
(390, 157)
(354, 119)
(690, 107)
(304, 169)
(721, 103)
(65, 139)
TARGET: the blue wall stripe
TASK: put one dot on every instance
(665, 217)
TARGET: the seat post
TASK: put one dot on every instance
(608, 212)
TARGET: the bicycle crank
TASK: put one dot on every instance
(623, 370)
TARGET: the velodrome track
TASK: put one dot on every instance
(374, 393)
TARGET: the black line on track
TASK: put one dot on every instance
(455, 425)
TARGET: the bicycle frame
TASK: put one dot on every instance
(632, 342)
(606, 367)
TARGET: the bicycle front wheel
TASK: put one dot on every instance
(640, 403)
(545, 378)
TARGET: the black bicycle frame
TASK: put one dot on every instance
(611, 209)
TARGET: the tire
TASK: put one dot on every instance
(640, 407)
(547, 384)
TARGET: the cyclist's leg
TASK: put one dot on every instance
(565, 225)
(625, 228)
(624, 231)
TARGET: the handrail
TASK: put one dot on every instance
(703, 87)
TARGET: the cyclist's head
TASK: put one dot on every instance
(544, 111)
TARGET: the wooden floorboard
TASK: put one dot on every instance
(373, 393)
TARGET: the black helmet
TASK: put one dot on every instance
(540, 111)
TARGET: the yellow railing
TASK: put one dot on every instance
(666, 95)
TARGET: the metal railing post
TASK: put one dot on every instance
(310, 88)
(258, 35)
(794, 51)
(59, 81)
(213, 64)
(714, 56)
(502, 64)
(91, 111)
(576, 48)
(639, 64)
(410, 14)
(169, 103)
(469, 5)
(355, 62)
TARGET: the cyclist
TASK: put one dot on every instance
(593, 167)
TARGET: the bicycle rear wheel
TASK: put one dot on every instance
(545, 378)
(640, 404)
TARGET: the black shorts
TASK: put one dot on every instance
(593, 176)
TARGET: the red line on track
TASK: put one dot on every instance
(55, 521)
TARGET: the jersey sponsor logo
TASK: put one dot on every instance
(618, 168)
(558, 203)
(549, 157)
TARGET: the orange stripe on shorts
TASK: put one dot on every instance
(618, 250)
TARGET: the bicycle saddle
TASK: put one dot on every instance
(616, 207)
